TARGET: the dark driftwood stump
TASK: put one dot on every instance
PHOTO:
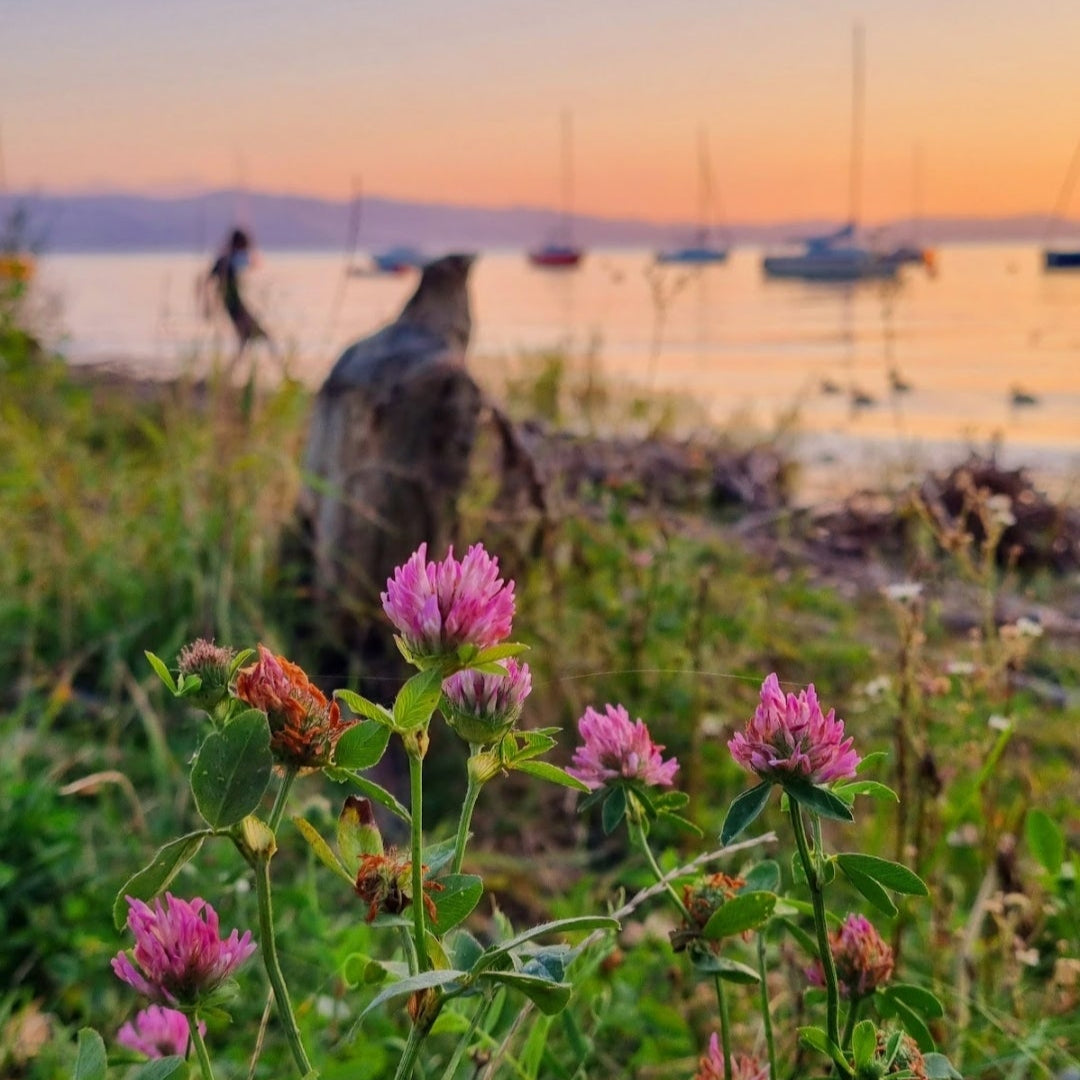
(388, 449)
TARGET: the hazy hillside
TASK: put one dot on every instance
(127, 222)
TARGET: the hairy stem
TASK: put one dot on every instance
(416, 809)
(472, 793)
(417, 1034)
(725, 1026)
(200, 1047)
(766, 1012)
(278, 809)
(817, 896)
(849, 1026)
(637, 833)
(268, 949)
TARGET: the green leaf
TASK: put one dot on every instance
(743, 810)
(818, 1040)
(549, 997)
(498, 652)
(863, 1043)
(90, 1060)
(708, 963)
(745, 911)
(614, 809)
(818, 799)
(872, 788)
(801, 936)
(372, 790)
(1046, 840)
(765, 875)
(520, 745)
(424, 981)
(417, 700)
(890, 874)
(438, 855)
(362, 746)
(871, 890)
(546, 771)
(558, 926)
(460, 894)
(232, 770)
(156, 876)
(922, 1001)
(910, 1020)
(160, 1069)
(163, 673)
(939, 1067)
(464, 950)
(360, 706)
(321, 848)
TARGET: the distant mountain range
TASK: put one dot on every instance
(198, 223)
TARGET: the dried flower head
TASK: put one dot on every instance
(864, 961)
(702, 899)
(384, 883)
(438, 607)
(743, 1066)
(212, 664)
(180, 955)
(304, 726)
(158, 1032)
(616, 748)
(908, 1058)
(482, 708)
(791, 738)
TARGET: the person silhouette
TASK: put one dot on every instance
(224, 278)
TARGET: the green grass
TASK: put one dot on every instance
(132, 524)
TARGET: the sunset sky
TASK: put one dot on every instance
(460, 101)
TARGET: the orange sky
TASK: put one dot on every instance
(460, 102)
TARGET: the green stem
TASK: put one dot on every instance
(200, 1047)
(725, 1026)
(766, 1012)
(849, 1026)
(268, 948)
(416, 809)
(281, 799)
(463, 1043)
(417, 1034)
(472, 793)
(637, 832)
(817, 896)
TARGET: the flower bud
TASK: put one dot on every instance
(213, 666)
(482, 708)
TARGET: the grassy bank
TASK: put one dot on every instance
(136, 522)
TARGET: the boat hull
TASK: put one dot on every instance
(829, 268)
(1061, 260)
(556, 258)
(693, 256)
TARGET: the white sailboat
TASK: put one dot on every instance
(702, 251)
(837, 256)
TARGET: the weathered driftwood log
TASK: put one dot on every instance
(389, 444)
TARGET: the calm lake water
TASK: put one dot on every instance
(739, 346)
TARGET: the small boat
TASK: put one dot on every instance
(561, 253)
(398, 260)
(702, 252)
(556, 256)
(1063, 258)
(16, 268)
(833, 258)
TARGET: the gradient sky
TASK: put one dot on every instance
(459, 100)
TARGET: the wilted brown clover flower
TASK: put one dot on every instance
(304, 726)
(864, 960)
(702, 900)
(384, 883)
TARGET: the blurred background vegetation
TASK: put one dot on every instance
(140, 517)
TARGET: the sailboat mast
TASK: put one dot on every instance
(567, 175)
(858, 94)
(704, 186)
(1065, 194)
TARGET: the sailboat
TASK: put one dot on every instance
(1063, 258)
(561, 253)
(702, 251)
(836, 256)
(395, 260)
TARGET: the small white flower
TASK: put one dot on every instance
(1028, 627)
(999, 723)
(965, 836)
(904, 592)
(878, 688)
(1000, 507)
(960, 667)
